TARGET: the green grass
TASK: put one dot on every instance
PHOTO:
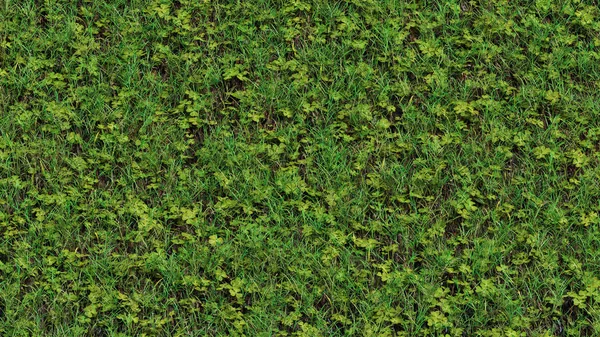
(299, 168)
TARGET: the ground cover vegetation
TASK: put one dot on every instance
(299, 168)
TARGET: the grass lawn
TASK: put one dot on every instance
(299, 168)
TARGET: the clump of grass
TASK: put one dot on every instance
(304, 168)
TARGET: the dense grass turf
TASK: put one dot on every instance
(299, 168)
